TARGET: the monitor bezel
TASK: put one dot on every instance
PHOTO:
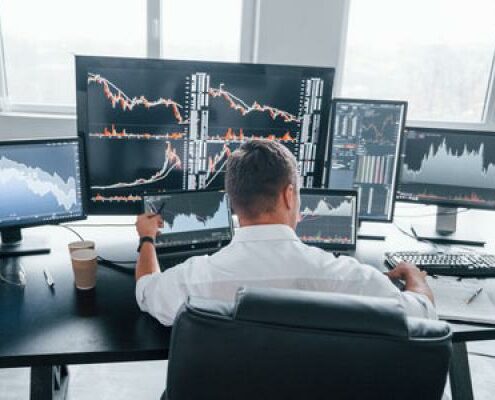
(82, 63)
(65, 139)
(440, 203)
(398, 154)
(336, 192)
(193, 247)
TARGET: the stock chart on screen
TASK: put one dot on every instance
(448, 166)
(152, 126)
(39, 182)
(191, 217)
(365, 151)
(327, 219)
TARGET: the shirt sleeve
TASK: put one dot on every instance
(363, 279)
(162, 294)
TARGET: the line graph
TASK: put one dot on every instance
(376, 129)
(172, 161)
(113, 133)
(444, 166)
(118, 97)
(217, 163)
(15, 175)
(99, 198)
(324, 207)
(232, 136)
(244, 108)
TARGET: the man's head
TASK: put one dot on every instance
(262, 183)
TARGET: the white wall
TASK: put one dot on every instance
(298, 32)
(19, 126)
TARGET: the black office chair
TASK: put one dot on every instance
(287, 344)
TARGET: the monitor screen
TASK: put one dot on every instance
(191, 219)
(153, 126)
(448, 167)
(328, 218)
(366, 137)
(40, 182)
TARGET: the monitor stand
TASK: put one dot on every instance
(12, 272)
(366, 235)
(444, 231)
(13, 245)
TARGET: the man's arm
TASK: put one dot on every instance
(147, 262)
(414, 278)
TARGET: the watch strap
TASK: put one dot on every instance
(143, 240)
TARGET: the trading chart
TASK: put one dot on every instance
(202, 216)
(448, 166)
(45, 176)
(365, 150)
(327, 219)
(153, 126)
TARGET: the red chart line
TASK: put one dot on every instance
(241, 106)
(118, 97)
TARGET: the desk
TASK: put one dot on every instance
(41, 329)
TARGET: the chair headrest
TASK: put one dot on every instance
(318, 310)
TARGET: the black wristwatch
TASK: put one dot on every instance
(143, 240)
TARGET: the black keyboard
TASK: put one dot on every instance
(452, 264)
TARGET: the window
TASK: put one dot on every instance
(202, 30)
(40, 38)
(436, 54)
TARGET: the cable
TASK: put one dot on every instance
(475, 353)
(72, 230)
(113, 264)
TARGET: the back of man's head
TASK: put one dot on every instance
(257, 174)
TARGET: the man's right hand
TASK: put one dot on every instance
(414, 278)
(148, 225)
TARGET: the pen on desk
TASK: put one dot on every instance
(48, 278)
(475, 294)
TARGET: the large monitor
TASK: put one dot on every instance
(328, 219)
(40, 183)
(448, 168)
(365, 148)
(153, 126)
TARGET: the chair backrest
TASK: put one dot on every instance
(287, 344)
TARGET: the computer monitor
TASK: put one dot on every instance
(365, 147)
(40, 183)
(448, 168)
(193, 221)
(153, 126)
(328, 219)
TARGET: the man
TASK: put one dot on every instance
(262, 183)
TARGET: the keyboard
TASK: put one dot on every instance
(451, 264)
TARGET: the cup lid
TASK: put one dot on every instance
(81, 244)
(83, 255)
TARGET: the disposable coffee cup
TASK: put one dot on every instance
(84, 264)
(81, 244)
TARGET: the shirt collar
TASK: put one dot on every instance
(264, 233)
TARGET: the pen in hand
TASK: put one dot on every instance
(474, 295)
(157, 212)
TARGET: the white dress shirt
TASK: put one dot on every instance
(267, 256)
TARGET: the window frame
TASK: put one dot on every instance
(488, 114)
(153, 41)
